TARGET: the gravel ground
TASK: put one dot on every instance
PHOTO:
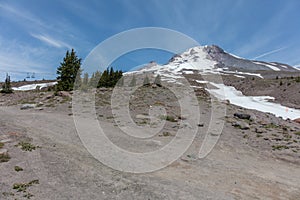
(253, 159)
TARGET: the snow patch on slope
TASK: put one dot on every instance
(259, 103)
(33, 86)
(267, 65)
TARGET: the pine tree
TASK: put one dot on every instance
(95, 79)
(120, 82)
(109, 78)
(157, 81)
(85, 80)
(69, 72)
(6, 87)
(146, 81)
(132, 82)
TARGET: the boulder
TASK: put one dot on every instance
(242, 116)
(258, 130)
(28, 106)
(297, 120)
(64, 94)
(241, 125)
(49, 96)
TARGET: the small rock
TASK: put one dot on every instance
(64, 94)
(3, 151)
(49, 96)
(241, 125)
(6, 140)
(200, 124)
(253, 118)
(214, 133)
(28, 106)
(242, 116)
(188, 158)
(297, 120)
(257, 130)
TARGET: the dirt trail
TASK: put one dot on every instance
(65, 169)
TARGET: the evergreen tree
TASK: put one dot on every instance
(69, 72)
(120, 83)
(132, 82)
(95, 79)
(6, 87)
(157, 81)
(85, 80)
(104, 79)
(109, 78)
(146, 81)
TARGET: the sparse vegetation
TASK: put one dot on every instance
(280, 83)
(22, 187)
(297, 133)
(4, 157)
(279, 147)
(26, 146)
(169, 118)
(7, 194)
(18, 168)
(166, 134)
(271, 125)
(1, 145)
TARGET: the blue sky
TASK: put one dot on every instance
(35, 34)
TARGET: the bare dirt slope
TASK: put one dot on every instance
(241, 166)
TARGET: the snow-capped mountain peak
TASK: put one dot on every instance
(213, 59)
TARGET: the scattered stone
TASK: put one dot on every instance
(28, 106)
(241, 125)
(49, 96)
(253, 118)
(64, 94)
(6, 140)
(188, 158)
(142, 116)
(215, 133)
(242, 116)
(200, 124)
(297, 120)
(3, 152)
(258, 130)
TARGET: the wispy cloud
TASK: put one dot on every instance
(269, 53)
(51, 41)
(22, 14)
